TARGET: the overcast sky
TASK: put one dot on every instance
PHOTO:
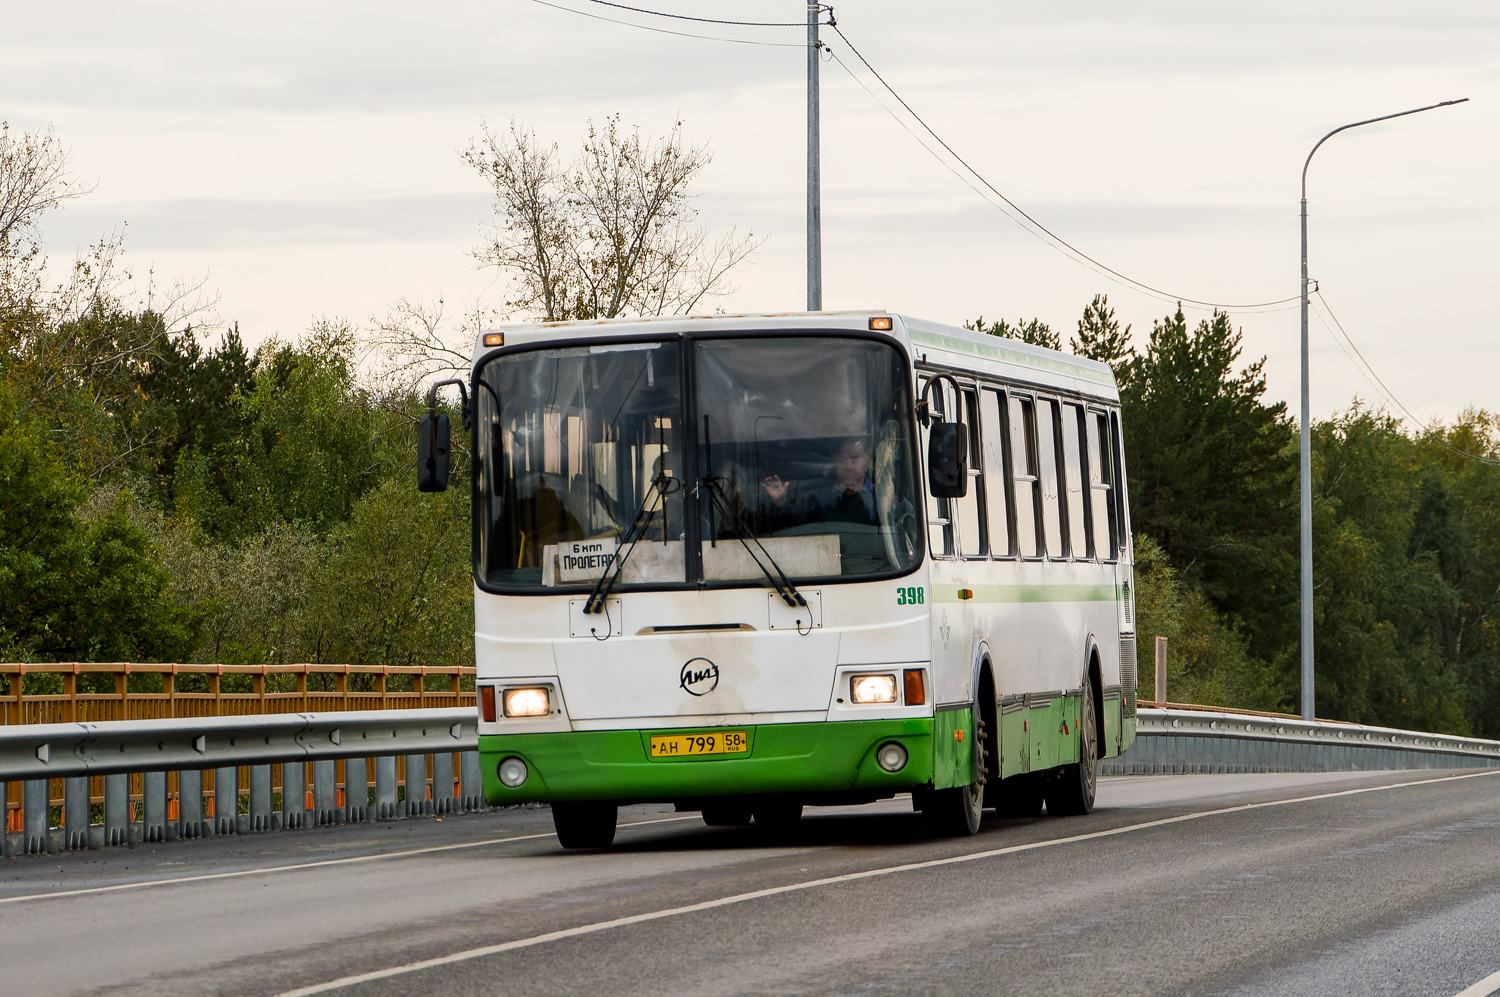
(305, 157)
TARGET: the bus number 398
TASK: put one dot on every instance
(911, 595)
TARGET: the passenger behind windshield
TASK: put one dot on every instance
(848, 498)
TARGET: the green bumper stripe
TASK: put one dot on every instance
(783, 758)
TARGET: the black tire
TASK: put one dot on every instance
(778, 816)
(585, 825)
(727, 815)
(1071, 794)
(1018, 796)
(957, 812)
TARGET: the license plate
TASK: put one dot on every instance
(723, 742)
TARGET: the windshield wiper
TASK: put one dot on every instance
(659, 488)
(779, 581)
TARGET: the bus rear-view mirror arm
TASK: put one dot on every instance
(434, 447)
(947, 446)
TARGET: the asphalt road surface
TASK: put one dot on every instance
(1353, 883)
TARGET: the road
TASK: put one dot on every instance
(1353, 883)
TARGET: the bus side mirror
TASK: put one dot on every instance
(433, 452)
(947, 460)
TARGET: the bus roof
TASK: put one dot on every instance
(933, 342)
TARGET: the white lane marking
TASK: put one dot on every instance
(204, 877)
(1490, 984)
(739, 898)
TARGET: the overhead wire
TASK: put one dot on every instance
(701, 20)
(1435, 433)
(1080, 254)
(1007, 206)
(664, 31)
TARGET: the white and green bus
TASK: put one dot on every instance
(746, 564)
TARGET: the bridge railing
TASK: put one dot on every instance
(1184, 739)
(117, 782)
(88, 692)
(114, 782)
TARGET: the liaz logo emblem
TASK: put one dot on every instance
(944, 630)
(699, 676)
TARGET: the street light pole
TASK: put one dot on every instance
(1306, 469)
(814, 180)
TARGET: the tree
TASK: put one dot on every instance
(35, 177)
(1101, 338)
(73, 588)
(1212, 472)
(608, 235)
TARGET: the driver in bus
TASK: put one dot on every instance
(850, 498)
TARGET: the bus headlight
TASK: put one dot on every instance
(865, 689)
(513, 772)
(891, 757)
(527, 702)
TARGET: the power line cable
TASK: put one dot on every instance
(702, 20)
(1057, 242)
(832, 23)
(1392, 395)
(664, 31)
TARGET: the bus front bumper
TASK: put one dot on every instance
(782, 758)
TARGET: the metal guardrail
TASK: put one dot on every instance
(1183, 741)
(283, 771)
(244, 756)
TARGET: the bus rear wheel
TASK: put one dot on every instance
(585, 825)
(1071, 794)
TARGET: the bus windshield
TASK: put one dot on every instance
(792, 450)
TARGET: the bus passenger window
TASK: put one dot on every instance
(1023, 460)
(967, 509)
(993, 460)
(1051, 499)
(1101, 478)
(1080, 543)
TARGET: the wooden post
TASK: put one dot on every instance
(169, 686)
(70, 689)
(213, 690)
(302, 688)
(1161, 672)
(121, 691)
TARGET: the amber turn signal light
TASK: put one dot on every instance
(882, 324)
(916, 692)
(487, 703)
(494, 339)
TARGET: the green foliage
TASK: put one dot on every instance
(1208, 659)
(1101, 338)
(73, 588)
(1212, 471)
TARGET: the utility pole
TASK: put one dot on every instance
(1308, 703)
(814, 183)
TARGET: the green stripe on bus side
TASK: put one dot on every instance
(1029, 593)
(1008, 356)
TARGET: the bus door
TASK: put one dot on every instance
(949, 573)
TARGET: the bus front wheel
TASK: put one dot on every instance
(585, 825)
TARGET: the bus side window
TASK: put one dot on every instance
(1101, 491)
(971, 538)
(1052, 508)
(1117, 477)
(1080, 539)
(1023, 460)
(939, 511)
(993, 457)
